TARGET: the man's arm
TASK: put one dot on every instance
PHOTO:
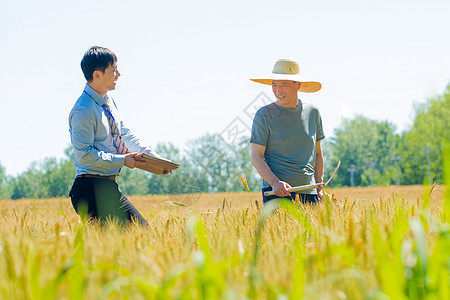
(278, 186)
(82, 123)
(82, 137)
(134, 144)
(318, 168)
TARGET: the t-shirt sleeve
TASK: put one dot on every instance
(260, 131)
(319, 129)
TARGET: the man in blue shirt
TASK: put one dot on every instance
(102, 143)
(286, 135)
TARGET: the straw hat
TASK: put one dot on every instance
(288, 69)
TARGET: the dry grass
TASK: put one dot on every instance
(338, 249)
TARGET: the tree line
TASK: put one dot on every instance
(208, 165)
(371, 152)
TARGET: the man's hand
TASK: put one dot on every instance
(130, 160)
(139, 158)
(321, 194)
(165, 172)
(280, 188)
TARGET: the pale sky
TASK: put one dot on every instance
(186, 65)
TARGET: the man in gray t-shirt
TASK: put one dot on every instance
(286, 135)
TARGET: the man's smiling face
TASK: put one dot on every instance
(286, 92)
(110, 76)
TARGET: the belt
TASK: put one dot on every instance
(110, 177)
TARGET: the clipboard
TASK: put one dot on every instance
(154, 165)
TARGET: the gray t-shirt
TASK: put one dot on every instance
(290, 136)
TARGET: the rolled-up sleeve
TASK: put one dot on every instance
(260, 131)
(319, 128)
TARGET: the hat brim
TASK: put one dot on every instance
(307, 86)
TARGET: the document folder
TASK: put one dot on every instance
(154, 165)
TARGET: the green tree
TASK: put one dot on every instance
(58, 175)
(211, 165)
(163, 184)
(28, 184)
(430, 132)
(133, 182)
(5, 190)
(366, 145)
(245, 167)
(48, 178)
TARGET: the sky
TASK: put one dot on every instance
(185, 65)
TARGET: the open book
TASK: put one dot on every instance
(154, 165)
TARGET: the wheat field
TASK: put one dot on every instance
(362, 243)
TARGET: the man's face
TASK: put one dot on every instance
(109, 77)
(285, 91)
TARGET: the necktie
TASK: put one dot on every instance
(117, 137)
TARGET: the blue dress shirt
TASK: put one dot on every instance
(91, 137)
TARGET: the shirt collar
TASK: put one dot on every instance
(94, 95)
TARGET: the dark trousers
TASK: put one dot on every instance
(101, 199)
(304, 198)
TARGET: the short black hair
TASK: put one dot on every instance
(96, 59)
